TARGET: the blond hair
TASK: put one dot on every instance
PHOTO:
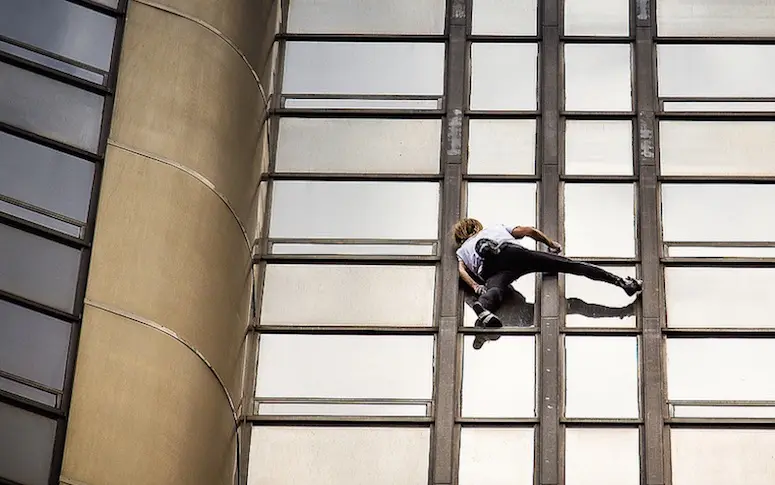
(465, 228)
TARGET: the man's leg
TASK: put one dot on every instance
(496, 287)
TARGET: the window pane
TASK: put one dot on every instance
(716, 147)
(504, 17)
(47, 60)
(366, 16)
(26, 445)
(45, 178)
(358, 145)
(367, 102)
(597, 17)
(366, 408)
(347, 248)
(720, 369)
(517, 308)
(348, 295)
(706, 212)
(592, 303)
(598, 77)
(722, 456)
(600, 220)
(324, 455)
(364, 68)
(717, 18)
(368, 210)
(38, 269)
(704, 106)
(38, 218)
(601, 377)
(15, 387)
(504, 76)
(50, 108)
(501, 146)
(729, 250)
(719, 297)
(499, 378)
(503, 203)
(598, 147)
(33, 346)
(595, 456)
(345, 366)
(63, 28)
(716, 70)
(496, 456)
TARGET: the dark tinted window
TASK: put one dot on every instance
(26, 445)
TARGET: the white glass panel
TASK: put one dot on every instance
(719, 297)
(366, 16)
(348, 295)
(333, 409)
(339, 456)
(597, 17)
(713, 212)
(347, 366)
(602, 456)
(344, 103)
(716, 18)
(499, 378)
(716, 70)
(600, 220)
(358, 145)
(368, 210)
(496, 456)
(504, 17)
(730, 251)
(592, 303)
(601, 377)
(504, 76)
(698, 106)
(723, 456)
(681, 411)
(513, 204)
(354, 249)
(716, 147)
(598, 147)
(501, 146)
(598, 77)
(720, 369)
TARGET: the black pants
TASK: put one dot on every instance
(515, 261)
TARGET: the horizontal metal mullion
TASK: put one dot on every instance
(717, 179)
(715, 115)
(351, 421)
(41, 211)
(358, 113)
(53, 55)
(38, 307)
(488, 178)
(513, 115)
(47, 142)
(43, 231)
(737, 423)
(721, 262)
(601, 422)
(30, 405)
(343, 37)
(354, 177)
(597, 39)
(600, 332)
(504, 39)
(54, 74)
(752, 333)
(99, 7)
(327, 258)
(496, 422)
(599, 179)
(30, 383)
(593, 115)
(342, 330)
(532, 330)
(714, 40)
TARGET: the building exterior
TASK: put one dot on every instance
(226, 253)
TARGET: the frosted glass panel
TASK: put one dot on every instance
(602, 456)
(716, 18)
(600, 220)
(496, 456)
(504, 76)
(501, 146)
(598, 77)
(504, 17)
(598, 147)
(597, 17)
(366, 16)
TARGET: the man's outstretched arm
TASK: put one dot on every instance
(526, 231)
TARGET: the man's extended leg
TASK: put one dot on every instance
(488, 302)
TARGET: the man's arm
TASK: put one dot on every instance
(461, 269)
(522, 231)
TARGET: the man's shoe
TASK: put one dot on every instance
(485, 317)
(631, 286)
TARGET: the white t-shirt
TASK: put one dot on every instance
(467, 251)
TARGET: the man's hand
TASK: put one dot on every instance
(555, 247)
(480, 290)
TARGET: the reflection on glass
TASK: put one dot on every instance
(601, 377)
(38, 269)
(69, 114)
(364, 68)
(598, 77)
(343, 145)
(53, 63)
(26, 445)
(737, 148)
(592, 303)
(504, 76)
(496, 456)
(717, 18)
(366, 17)
(719, 297)
(63, 28)
(488, 393)
(501, 146)
(722, 456)
(341, 409)
(598, 147)
(341, 455)
(516, 310)
(597, 17)
(600, 220)
(705, 212)
(603, 455)
(720, 369)
(513, 204)
(721, 70)
(367, 210)
(296, 294)
(700, 106)
(504, 17)
(354, 249)
(345, 366)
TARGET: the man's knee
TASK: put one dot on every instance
(491, 298)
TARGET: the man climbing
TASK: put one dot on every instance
(493, 256)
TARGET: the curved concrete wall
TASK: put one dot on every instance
(167, 303)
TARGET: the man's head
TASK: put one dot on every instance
(465, 228)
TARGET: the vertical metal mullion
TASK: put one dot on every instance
(549, 217)
(452, 158)
(645, 95)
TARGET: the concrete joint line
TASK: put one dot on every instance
(193, 173)
(69, 481)
(171, 333)
(215, 31)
